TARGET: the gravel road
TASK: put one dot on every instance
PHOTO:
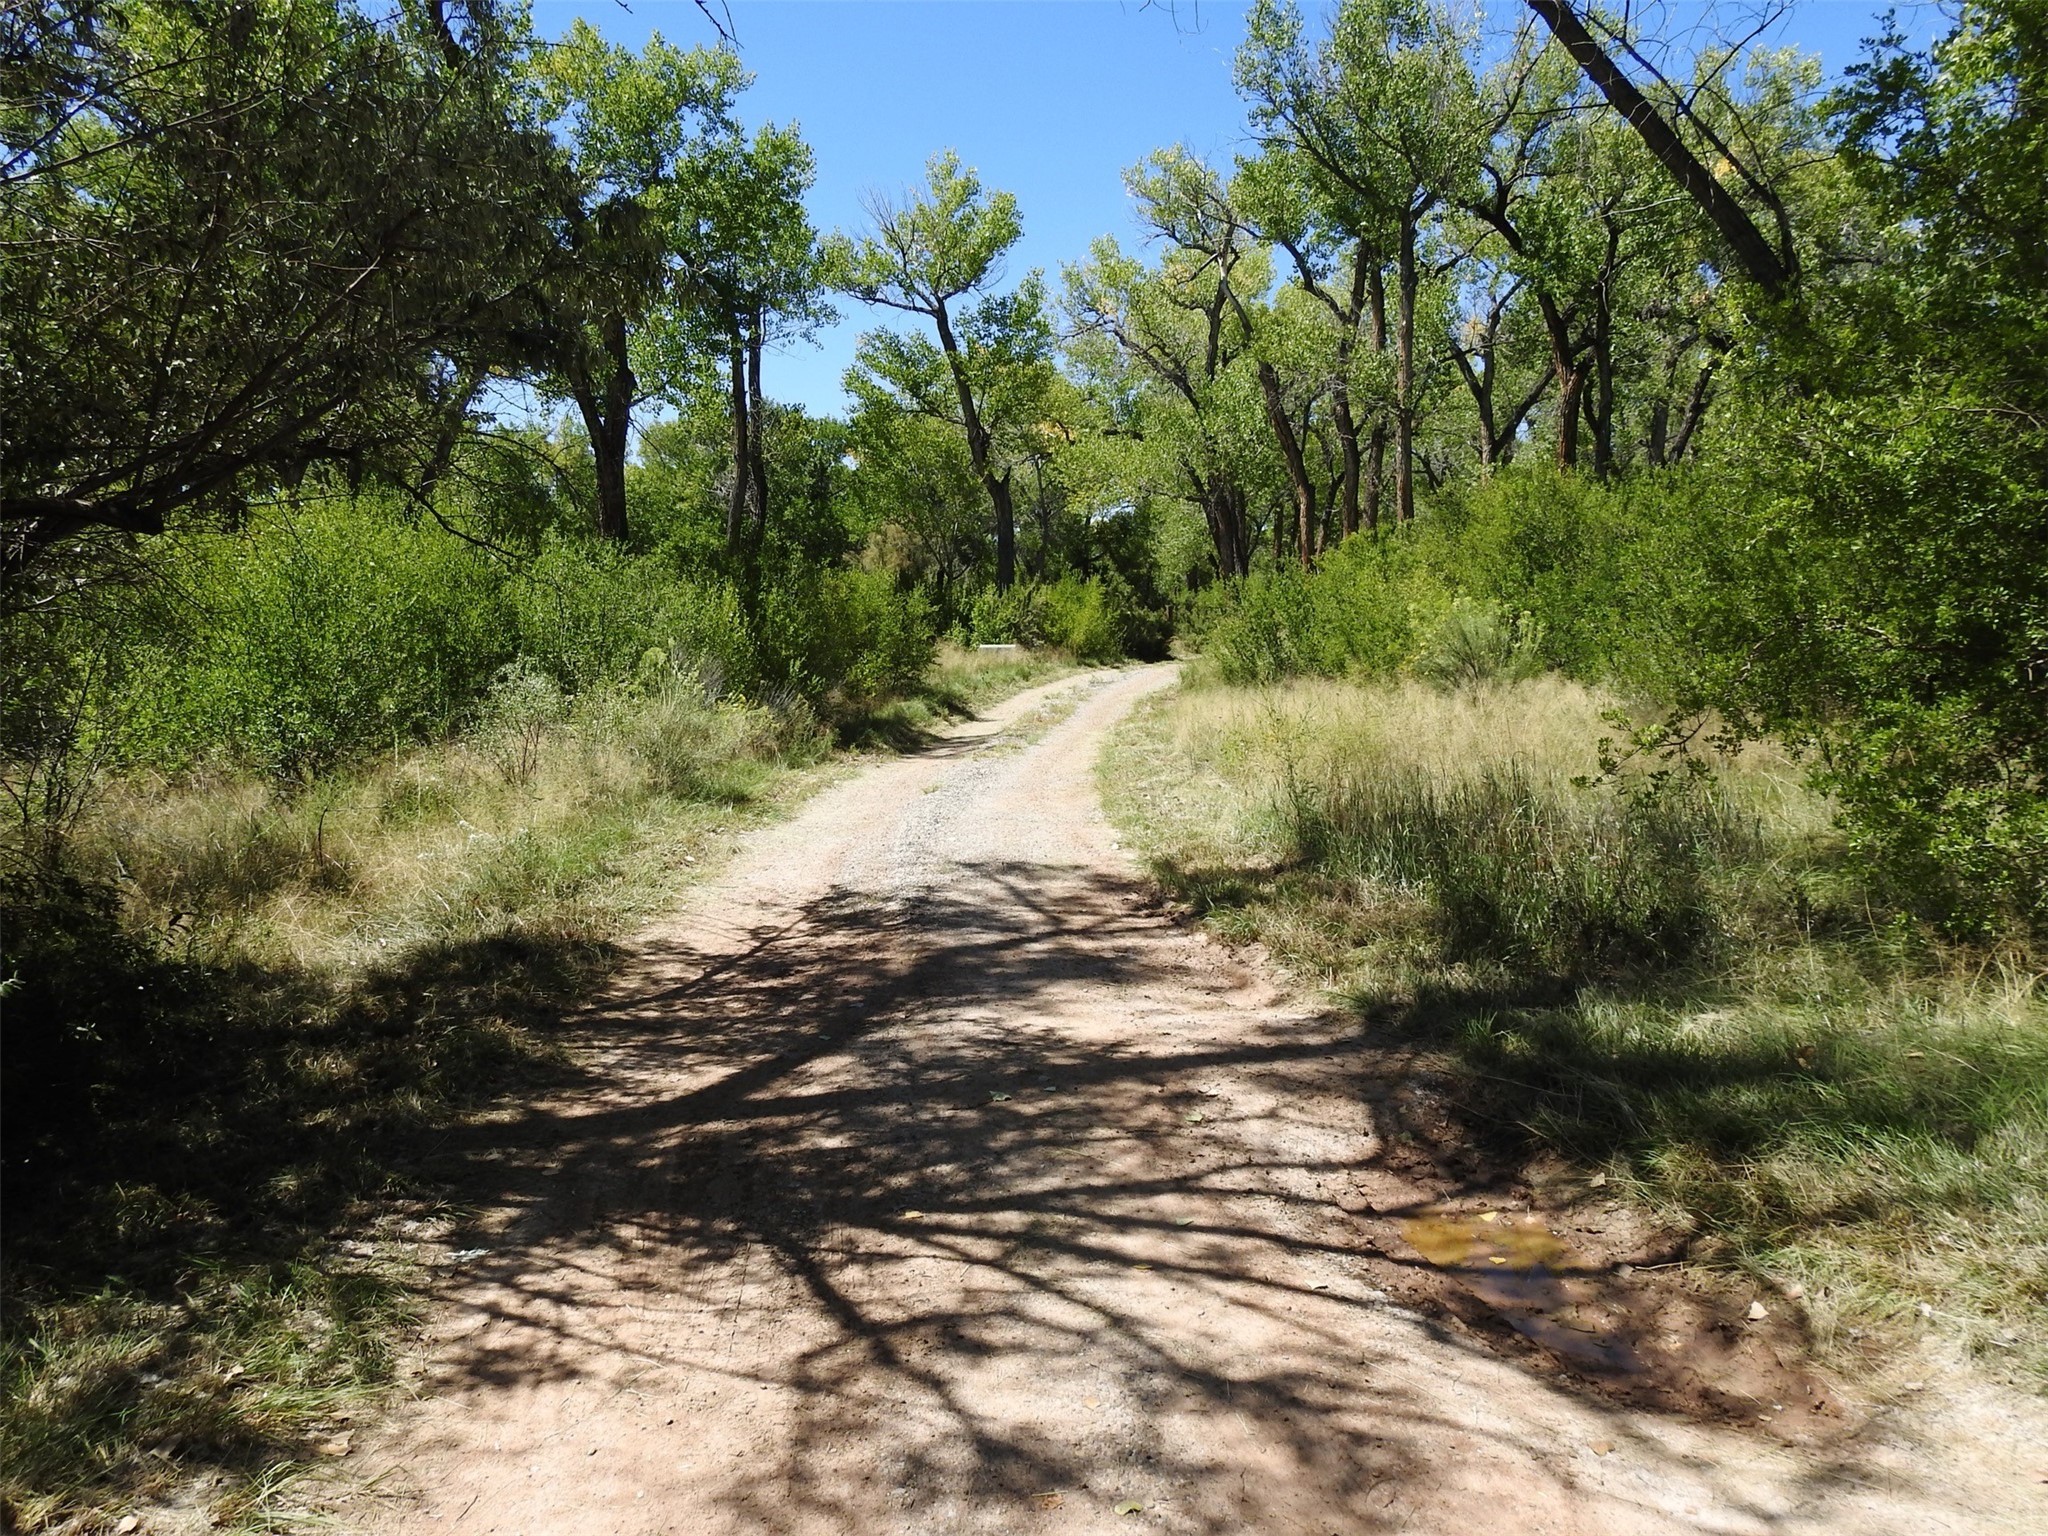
(925, 1177)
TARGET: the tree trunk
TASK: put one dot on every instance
(757, 447)
(1006, 530)
(1350, 477)
(1695, 412)
(1603, 388)
(607, 408)
(1223, 510)
(736, 521)
(1340, 395)
(1297, 469)
(1773, 271)
(1375, 476)
(1479, 384)
(1571, 380)
(1404, 377)
(978, 446)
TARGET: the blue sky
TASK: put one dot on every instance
(1050, 99)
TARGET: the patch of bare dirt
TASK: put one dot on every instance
(927, 1177)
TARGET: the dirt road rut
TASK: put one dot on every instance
(929, 1180)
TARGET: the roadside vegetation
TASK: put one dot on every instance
(1622, 634)
(1686, 984)
(257, 1000)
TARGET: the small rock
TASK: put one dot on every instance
(337, 1445)
(1598, 1181)
(1795, 1291)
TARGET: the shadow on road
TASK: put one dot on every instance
(907, 1125)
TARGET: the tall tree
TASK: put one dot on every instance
(751, 272)
(938, 253)
(1342, 267)
(1773, 264)
(643, 132)
(1169, 350)
(1382, 113)
(240, 241)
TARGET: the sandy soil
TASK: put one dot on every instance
(928, 1178)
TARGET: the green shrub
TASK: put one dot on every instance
(844, 631)
(1360, 613)
(1091, 618)
(315, 636)
(1475, 642)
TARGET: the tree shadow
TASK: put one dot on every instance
(904, 1131)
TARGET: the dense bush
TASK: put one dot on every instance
(316, 634)
(303, 639)
(1362, 611)
(1093, 618)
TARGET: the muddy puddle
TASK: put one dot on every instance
(1527, 1273)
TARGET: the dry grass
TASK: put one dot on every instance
(1823, 1094)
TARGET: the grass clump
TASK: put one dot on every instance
(1678, 980)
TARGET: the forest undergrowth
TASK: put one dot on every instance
(1676, 979)
(271, 996)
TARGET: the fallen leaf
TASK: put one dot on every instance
(1142, 1266)
(1046, 1501)
(1196, 1117)
(1602, 1447)
(128, 1523)
(1489, 1215)
(1598, 1181)
(1914, 1055)
(337, 1445)
(1494, 1258)
(1184, 1221)
(1130, 1507)
(913, 1215)
(1757, 1312)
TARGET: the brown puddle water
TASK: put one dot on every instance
(1524, 1271)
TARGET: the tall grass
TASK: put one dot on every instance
(1552, 879)
(1679, 982)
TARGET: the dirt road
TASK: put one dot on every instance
(929, 1180)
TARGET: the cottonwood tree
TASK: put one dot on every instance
(1671, 129)
(643, 133)
(750, 273)
(1381, 116)
(1167, 350)
(238, 242)
(1340, 262)
(938, 253)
